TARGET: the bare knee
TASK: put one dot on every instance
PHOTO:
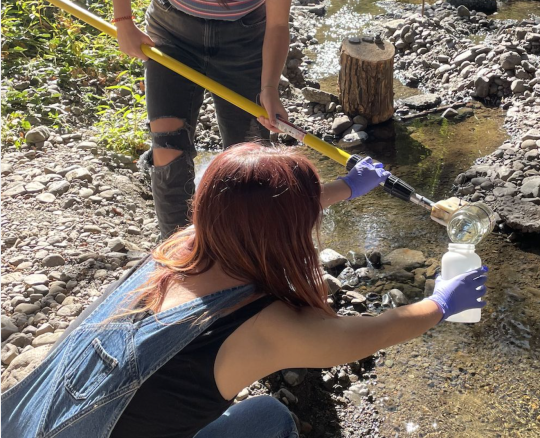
(164, 155)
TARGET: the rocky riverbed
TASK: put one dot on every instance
(76, 217)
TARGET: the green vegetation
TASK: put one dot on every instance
(61, 72)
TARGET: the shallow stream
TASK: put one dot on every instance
(480, 380)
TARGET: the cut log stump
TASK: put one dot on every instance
(366, 78)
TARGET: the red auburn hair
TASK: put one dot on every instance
(254, 212)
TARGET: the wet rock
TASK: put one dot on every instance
(37, 134)
(405, 258)
(422, 101)
(331, 259)
(352, 140)
(356, 259)
(398, 298)
(375, 258)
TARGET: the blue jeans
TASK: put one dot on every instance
(257, 417)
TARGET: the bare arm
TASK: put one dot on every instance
(130, 37)
(309, 339)
(333, 192)
(280, 338)
(275, 49)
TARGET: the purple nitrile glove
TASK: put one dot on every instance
(461, 292)
(364, 177)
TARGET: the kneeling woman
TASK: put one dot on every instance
(218, 306)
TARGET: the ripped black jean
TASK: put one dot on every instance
(230, 52)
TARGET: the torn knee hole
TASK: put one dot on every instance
(167, 125)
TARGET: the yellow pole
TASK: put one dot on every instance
(247, 105)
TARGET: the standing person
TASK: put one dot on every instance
(242, 44)
(218, 306)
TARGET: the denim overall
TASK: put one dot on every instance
(86, 382)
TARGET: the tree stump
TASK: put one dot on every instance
(366, 79)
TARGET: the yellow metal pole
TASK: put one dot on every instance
(214, 87)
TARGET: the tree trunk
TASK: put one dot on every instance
(366, 79)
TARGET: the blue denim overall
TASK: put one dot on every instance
(85, 383)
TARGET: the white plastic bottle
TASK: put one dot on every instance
(459, 259)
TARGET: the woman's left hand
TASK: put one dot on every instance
(271, 102)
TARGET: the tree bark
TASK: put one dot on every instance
(366, 79)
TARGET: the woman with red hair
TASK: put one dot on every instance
(216, 307)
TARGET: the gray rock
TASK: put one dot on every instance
(16, 190)
(34, 187)
(59, 187)
(37, 134)
(519, 215)
(353, 139)
(116, 244)
(46, 198)
(405, 258)
(518, 86)
(9, 353)
(294, 376)
(422, 101)
(318, 96)
(46, 339)
(35, 279)
(450, 113)
(356, 259)
(23, 365)
(44, 328)
(356, 393)
(331, 259)
(531, 187)
(532, 155)
(529, 144)
(27, 308)
(467, 55)
(481, 86)
(70, 310)
(340, 124)
(360, 120)
(8, 327)
(398, 298)
(80, 173)
(510, 60)
(532, 134)
(53, 260)
(462, 11)
(333, 283)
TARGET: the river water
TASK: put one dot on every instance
(480, 380)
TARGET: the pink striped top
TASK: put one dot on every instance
(211, 9)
